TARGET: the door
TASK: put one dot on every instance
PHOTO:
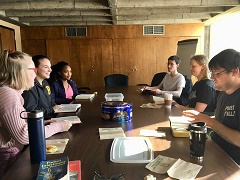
(92, 60)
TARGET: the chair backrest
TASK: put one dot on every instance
(183, 99)
(157, 78)
(116, 80)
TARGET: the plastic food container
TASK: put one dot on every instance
(114, 97)
(131, 150)
(116, 111)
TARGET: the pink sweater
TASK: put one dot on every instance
(14, 129)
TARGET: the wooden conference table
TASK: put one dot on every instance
(84, 143)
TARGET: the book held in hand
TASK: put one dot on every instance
(68, 108)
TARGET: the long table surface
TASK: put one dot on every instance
(85, 145)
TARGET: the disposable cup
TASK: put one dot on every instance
(168, 100)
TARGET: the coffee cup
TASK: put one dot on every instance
(168, 100)
(197, 139)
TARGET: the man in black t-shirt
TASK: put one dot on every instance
(225, 73)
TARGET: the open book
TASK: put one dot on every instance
(68, 118)
(68, 108)
(85, 96)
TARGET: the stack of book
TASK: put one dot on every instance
(179, 125)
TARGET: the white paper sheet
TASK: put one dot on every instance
(154, 133)
(175, 168)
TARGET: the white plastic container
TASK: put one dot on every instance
(131, 150)
(114, 97)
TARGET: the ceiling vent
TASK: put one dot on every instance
(76, 31)
(153, 30)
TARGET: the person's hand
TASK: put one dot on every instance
(156, 91)
(174, 103)
(56, 107)
(198, 117)
(49, 121)
(146, 88)
(68, 124)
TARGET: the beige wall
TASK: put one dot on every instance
(225, 34)
(17, 33)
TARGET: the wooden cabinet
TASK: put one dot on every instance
(145, 64)
(91, 61)
(135, 58)
(57, 50)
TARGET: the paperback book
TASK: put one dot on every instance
(75, 170)
(68, 108)
(54, 169)
(85, 96)
(59, 169)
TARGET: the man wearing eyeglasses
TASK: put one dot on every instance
(225, 73)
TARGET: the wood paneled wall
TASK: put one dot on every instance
(109, 49)
(7, 38)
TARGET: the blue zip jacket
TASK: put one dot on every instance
(59, 91)
(39, 97)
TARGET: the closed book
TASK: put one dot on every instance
(56, 169)
(85, 96)
(75, 170)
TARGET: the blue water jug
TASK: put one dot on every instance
(36, 131)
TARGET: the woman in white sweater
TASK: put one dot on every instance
(17, 74)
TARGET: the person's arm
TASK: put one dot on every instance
(15, 125)
(176, 93)
(154, 87)
(56, 94)
(30, 99)
(200, 107)
(31, 102)
(230, 135)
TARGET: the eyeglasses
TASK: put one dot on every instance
(32, 69)
(99, 176)
(217, 74)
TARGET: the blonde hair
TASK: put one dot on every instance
(14, 67)
(202, 60)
